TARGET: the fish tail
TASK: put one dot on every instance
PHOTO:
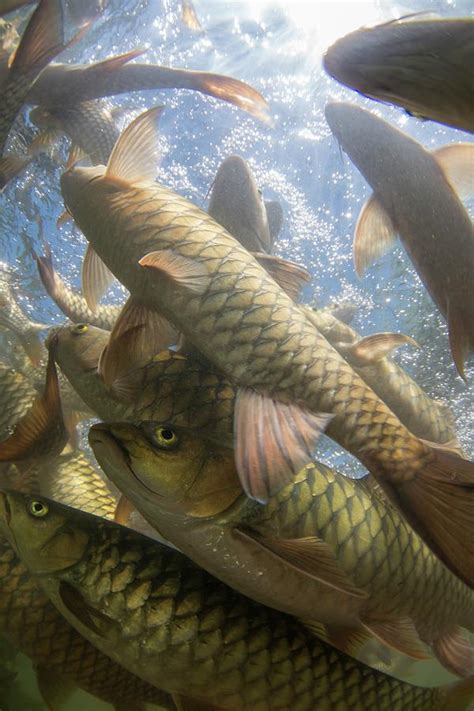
(439, 501)
(458, 696)
(42, 39)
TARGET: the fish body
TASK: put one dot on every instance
(186, 487)
(416, 201)
(16, 397)
(179, 627)
(89, 125)
(13, 319)
(234, 313)
(423, 66)
(237, 204)
(73, 304)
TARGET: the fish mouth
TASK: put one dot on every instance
(102, 440)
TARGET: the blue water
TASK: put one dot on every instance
(277, 48)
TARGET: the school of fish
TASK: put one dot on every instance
(212, 560)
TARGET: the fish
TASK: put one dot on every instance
(421, 65)
(41, 41)
(90, 126)
(63, 658)
(322, 537)
(415, 196)
(189, 16)
(237, 204)
(71, 84)
(13, 319)
(188, 277)
(182, 629)
(11, 5)
(70, 301)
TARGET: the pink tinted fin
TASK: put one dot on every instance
(232, 90)
(272, 441)
(457, 163)
(54, 688)
(439, 503)
(374, 234)
(184, 271)
(310, 556)
(43, 142)
(372, 349)
(76, 154)
(96, 278)
(348, 639)
(42, 39)
(123, 510)
(400, 634)
(459, 339)
(455, 652)
(137, 335)
(289, 275)
(11, 166)
(134, 157)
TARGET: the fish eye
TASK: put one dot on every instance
(80, 328)
(165, 437)
(38, 509)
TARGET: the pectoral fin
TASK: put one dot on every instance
(310, 556)
(272, 441)
(76, 154)
(137, 335)
(459, 337)
(289, 275)
(74, 601)
(123, 510)
(399, 633)
(374, 234)
(348, 639)
(54, 688)
(372, 349)
(11, 166)
(96, 278)
(455, 652)
(275, 218)
(183, 271)
(457, 162)
(134, 157)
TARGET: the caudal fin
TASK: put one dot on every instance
(439, 502)
(458, 696)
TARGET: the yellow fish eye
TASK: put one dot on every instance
(79, 328)
(38, 509)
(165, 437)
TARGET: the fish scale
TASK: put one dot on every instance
(16, 398)
(175, 624)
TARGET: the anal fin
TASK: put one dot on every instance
(455, 653)
(399, 633)
(372, 349)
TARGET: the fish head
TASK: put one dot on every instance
(78, 346)
(177, 469)
(237, 204)
(40, 532)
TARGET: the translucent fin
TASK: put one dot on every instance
(459, 338)
(42, 39)
(76, 154)
(439, 502)
(272, 440)
(289, 275)
(310, 556)
(63, 218)
(183, 271)
(457, 162)
(96, 278)
(455, 653)
(373, 348)
(11, 166)
(123, 510)
(33, 346)
(137, 335)
(46, 270)
(275, 218)
(400, 634)
(348, 639)
(189, 17)
(374, 234)
(43, 142)
(113, 63)
(41, 431)
(134, 156)
(232, 90)
(54, 689)
(458, 696)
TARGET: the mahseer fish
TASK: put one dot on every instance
(13, 318)
(188, 277)
(89, 125)
(321, 538)
(424, 66)
(415, 197)
(42, 40)
(17, 395)
(72, 303)
(184, 631)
